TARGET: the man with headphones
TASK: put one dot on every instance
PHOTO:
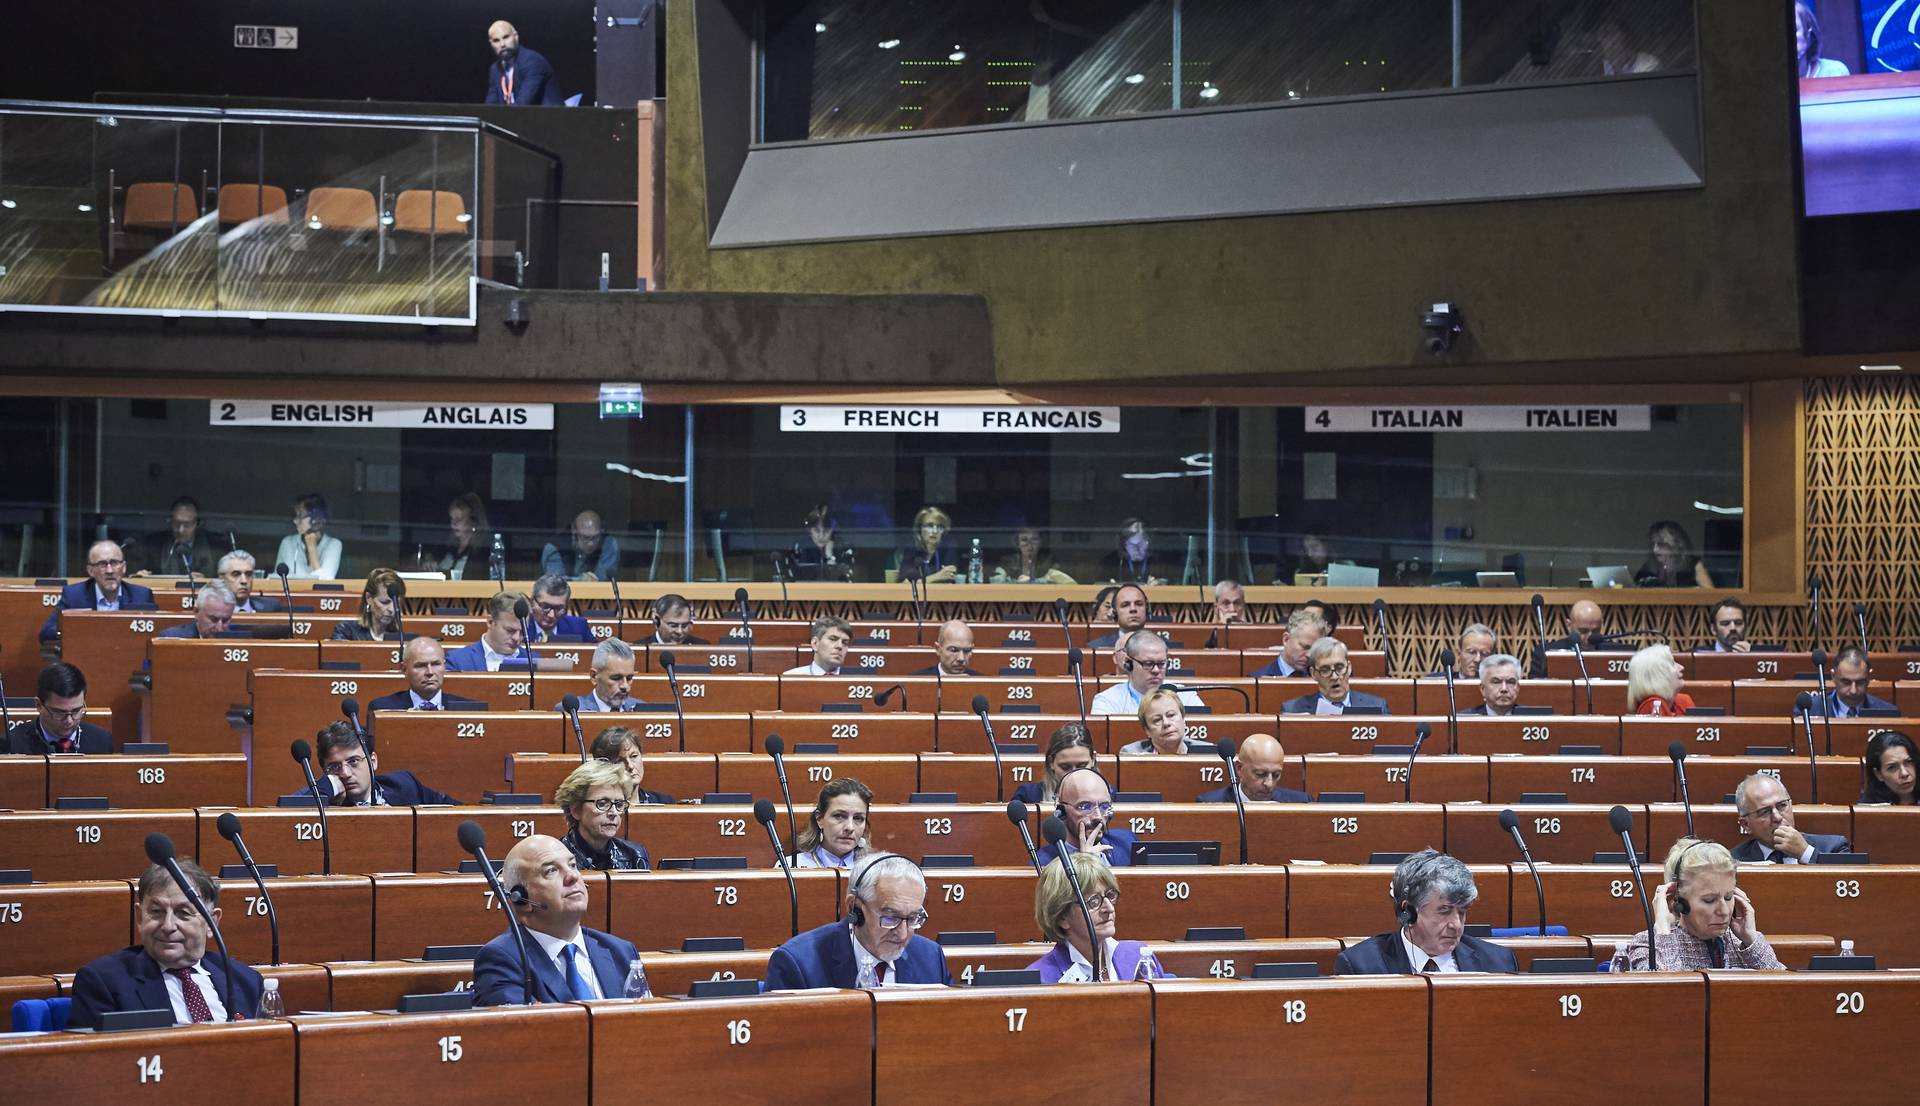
(1431, 892)
(1129, 615)
(570, 962)
(1086, 806)
(673, 622)
(875, 945)
(356, 766)
(1143, 661)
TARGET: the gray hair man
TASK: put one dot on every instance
(875, 945)
(612, 678)
(1431, 894)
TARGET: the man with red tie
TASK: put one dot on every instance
(62, 701)
(170, 968)
(518, 75)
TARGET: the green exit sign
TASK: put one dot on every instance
(622, 401)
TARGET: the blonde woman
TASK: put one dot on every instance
(1163, 724)
(1654, 680)
(1701, 918)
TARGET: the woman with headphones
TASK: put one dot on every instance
(836, 830)
(1058, 915)
(1700, 918)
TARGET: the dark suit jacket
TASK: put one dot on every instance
(1748, 851)
(569, 625)
(402, 700)
(263, 604)
(405, 789)
(1819, 708)
(1278, 667)
(934, 670)
(692, 640)
(823, 957)
(496, 970)
(1355, 698)
(131, 980)
(25, 738)
(188, 630)
(1280, 795)
(533, 81)
(1386, 954)
(157, 549)
(1537, 670)
(353, 631)
(1031, 794)
(1119, 856)
(79, 597)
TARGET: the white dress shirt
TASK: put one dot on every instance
(811, 669)
(554, 948)
(1081, 970)
(102, 603)
(208, 991)
(1767, 851)
(493, 658)
(869, 964)
(1324, 705)
(1122, 699)
(1418, 958)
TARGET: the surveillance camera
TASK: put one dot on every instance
(1443, 323)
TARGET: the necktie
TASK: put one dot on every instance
(65, 745)
(880, 974)
(1716, 954)
(428, 706)
(196, 1003)
(1778, 857)
(574, 983)
(1432, 965)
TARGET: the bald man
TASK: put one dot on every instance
(425, 665)
(1584, 622)
(570, 962)
(105, 588)
(952, 649)
(594, 554)
(518, 75)
(1259, 762)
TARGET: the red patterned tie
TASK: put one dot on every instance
(65, 745)
(197, 1009)
(880, 974)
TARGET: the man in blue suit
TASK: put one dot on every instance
(1766, 811)
(570, 962)
(1852, 675)
(1260, 762)
(550, 621)
(425, 664)
(518, 75)
(1431, 893)
(213, 609)
(1086, 806)
(500, 641)
(105, 591)
(362, 783)
(61, 702)
(875, 944)
(1304, 627)
(1328, 662)
(170, 968)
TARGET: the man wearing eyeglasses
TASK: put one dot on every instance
(551, 622)
(1766, 813)
(62, 702)
(356, 768)
(570, 962)
(1086, 806)
(876, 945)
(1328, 662)
(1852, 676)
(1143, 660)
(105, 590)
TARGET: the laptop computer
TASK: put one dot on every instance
(1352, 576)
(1610, 576)
(1497, 579)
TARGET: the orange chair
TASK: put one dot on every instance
(242, 203)
(419, 211)
(341, 209)
(155, 205)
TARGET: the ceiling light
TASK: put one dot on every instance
(463, 217)
(9, 204)
(957, 55)
(86, 207)
(1209, 92)
(1715, 510)
(1136, 78)
(1881, 368)
(889, 43)
(819, 28)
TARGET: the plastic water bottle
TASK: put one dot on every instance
(497, 561)
(976, 568)
(1846, 948)
(271, 1004)
(636, 981)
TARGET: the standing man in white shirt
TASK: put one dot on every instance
(831, 636)
(502, 640)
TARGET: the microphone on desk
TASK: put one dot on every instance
(673, 684)
(1017, 814)
(1580, 656)
(1055, 831)
(1226, 750)
(1860, 621)
(6, 716)
(1803, 706)
(229, 827)
(570, 706)
(1510, 822)
(880, 700)
(1380, 621)
(350, 710)
(763, 813)
(1622, 635)
(474, 840)
(916, 581)
(781, 574)
(286, 593)
(777, 749)
(1447, 660)
(303, 754)
(1813, 586)
(999, 772)
(522, 612)
(160, 851)
(1246, 701)
(1075, 659)
(1826, 711)
(1540, 618)
(619, 610)
(1622, 822)
(1060, 613)
(746, 626)
(1420, 734)
(1677, 752)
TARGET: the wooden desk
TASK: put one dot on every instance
(699, 693)
(302, 986)
(794, 1047)
(1237, 959)
(1557, 833)
(436, 832)
(1600, 664)
(1535, 735)
(698, 830)
(1667, 823)
(1180, 778)
(681, 775)
(1559, 696)
(934, 1041)
(1367, 664)
(371, 656)
(290, 706)
(151, 1065)
(109, 646)
(1534, 1037)
(380, 984)
(23, 782)
(1890, 834)
(660, 910)
(1873, 907)
(810, 693)
(1747, 666)
(1604, 779)
(1344, 900)
(1776, 697)
(462, 753)
(322, 919)
(196, 682)
(971, 775)
(23, 609)
(1383, 779)
(673, 973)
(1339, 833)
(1587, 898)
(1274, 693)
(90, 844)
(58, 927)
(872, 730)
(14, 988)
(1355, 1039)
(365, 839)
(411, 912)
(761, 660)
(204, 779)
(892, 777)
(1646, 736)
(1850, 735)
(981, 832)
(1156, 904)
(516, 1053)
(1832, 1014)
(1308, 733)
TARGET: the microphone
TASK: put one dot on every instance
(1540, 624)
(1420, 734)
(1017, 814)
(1826, 710)
(619, 610)
(1813, 586)
(1447, 660)
(1510, 822)
(1055, 830)
(1074, 660)
(777, 749)
(1060, 612)
(522, 612)
(746, 629)
(1622, 822)
(1859, 620)
(999, 772)
(673, 683)
(1580, 655)
(1803, 706)
(1246, 702)
(286, 593)
(782, 575)
(474, 840)
(570, 706)
(763, 813)
(229, 827)
(916, 580)
(6, 716)
(1380, 620)
(1677, 752)
(1226, 750)
(350, 709)
(160, 851)
(881, 699)
(303, 753)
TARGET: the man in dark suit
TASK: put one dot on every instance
(182, 547)
(518, 75)
(1852, 676)
(1499, 686)
(425, 665)
(213, 608)
(1086, 806)
(236, 568)
(170, 969)
(952, 649)
(1766, 810)
(61, 702)
(673, 622)
(1431, 893)
(613, 665)
(106, 590)
(1260, 762)
(1584, 622)
(1328, 661)
(874, 945)
(357, 768)
(550, 621)
(570, 962)
(1129, 614)
(1304, 628)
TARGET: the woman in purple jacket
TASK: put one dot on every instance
(1058, 915)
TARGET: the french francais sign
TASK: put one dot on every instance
(875, 419)
(1479, 420)
(381, 415)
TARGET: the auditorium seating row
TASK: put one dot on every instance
(1444, 1039)
(169, 207)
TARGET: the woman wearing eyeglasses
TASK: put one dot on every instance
(1058, 915)
(594, 796)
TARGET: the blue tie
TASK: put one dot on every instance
(574, 983)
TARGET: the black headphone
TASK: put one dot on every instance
(1680, 904)
(517, 895)
(1403, 906)
(864, 879)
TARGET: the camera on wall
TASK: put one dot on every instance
(1443, 323)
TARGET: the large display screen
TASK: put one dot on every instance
(1859, 66)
